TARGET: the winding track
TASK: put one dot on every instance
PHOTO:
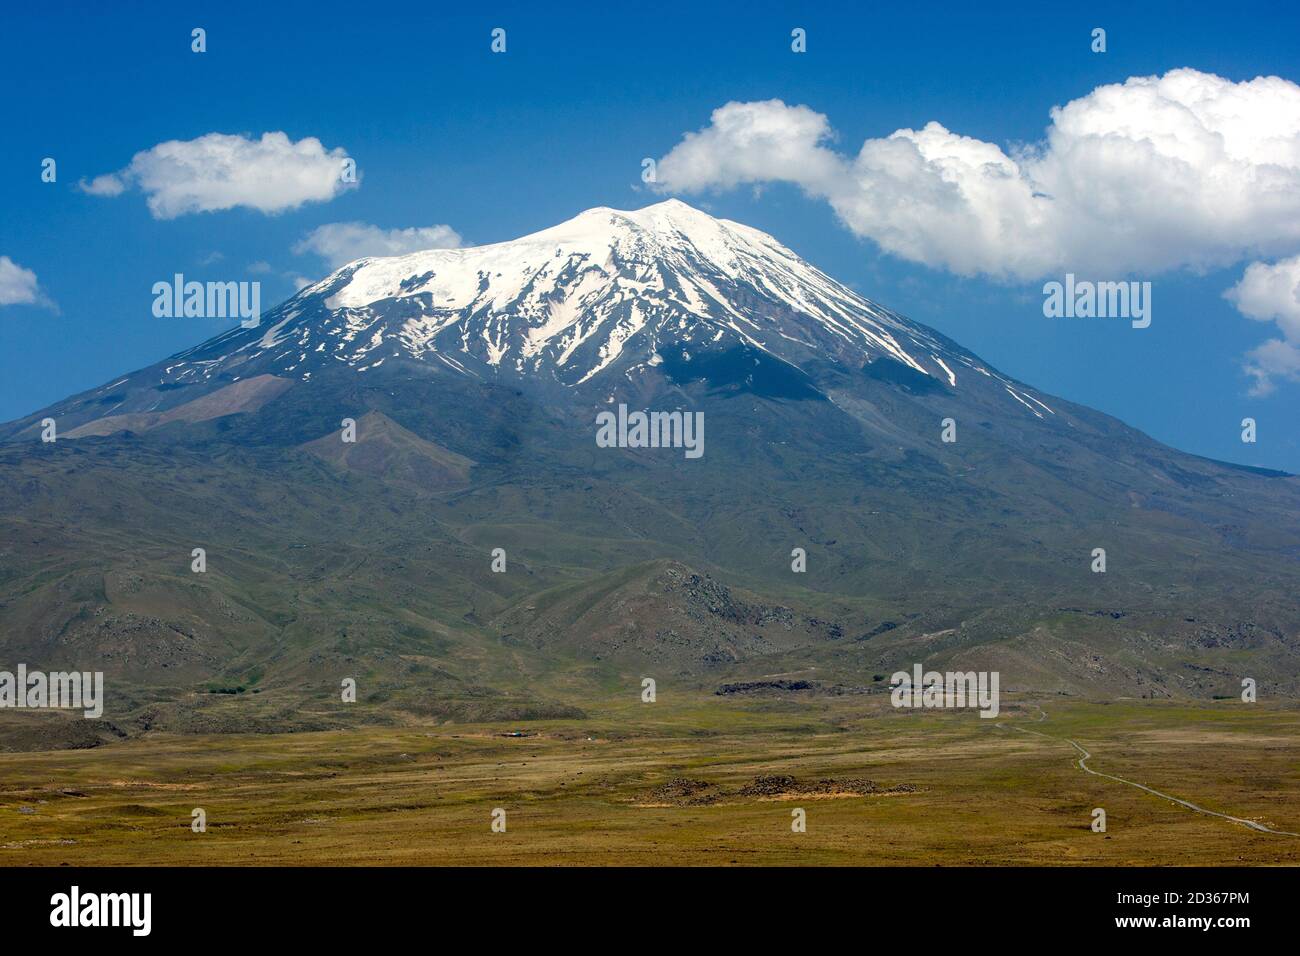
(1083, 765)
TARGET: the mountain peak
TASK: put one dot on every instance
(669, 217)
(652, 231)
(606, 290)
(611, 299)
(661, 209)
(654, 216)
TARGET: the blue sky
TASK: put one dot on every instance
(495, 146)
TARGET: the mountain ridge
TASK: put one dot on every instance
(598, 302)
(327, 558)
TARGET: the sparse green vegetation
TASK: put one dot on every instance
(685, 781)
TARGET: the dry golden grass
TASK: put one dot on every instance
(984, 794)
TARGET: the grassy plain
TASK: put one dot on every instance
(951, 788)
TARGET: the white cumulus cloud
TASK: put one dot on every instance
(1271, 293)
(18, 286)
(220, 171)
(109, 184)
(1184, 170)
(339, 243)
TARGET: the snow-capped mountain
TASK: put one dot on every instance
(606, 302)
(349, 465)
(606, 293)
